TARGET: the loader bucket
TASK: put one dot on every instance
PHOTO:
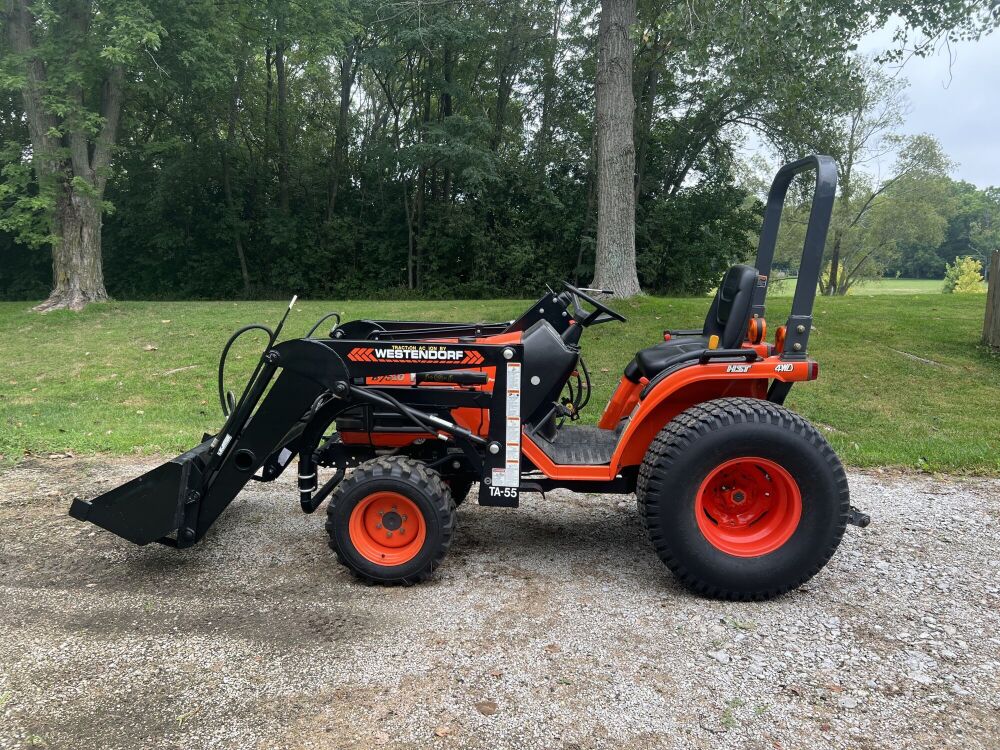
(150, 507)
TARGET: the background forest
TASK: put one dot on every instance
(359, 148)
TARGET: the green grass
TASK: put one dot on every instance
(898, 286)
(874, 287)
(139, 377)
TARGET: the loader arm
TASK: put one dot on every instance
(177, 502)
(296, 390)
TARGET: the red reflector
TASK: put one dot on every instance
(666, 336)
(813, 370)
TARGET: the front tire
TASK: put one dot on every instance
(391, 521)
(742, 499)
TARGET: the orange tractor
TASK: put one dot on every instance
(741, 498)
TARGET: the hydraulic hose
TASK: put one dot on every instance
(386, 400)
(320, 322)
(586, 379)
(226, 399)
(417, 418)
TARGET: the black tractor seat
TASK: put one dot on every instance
(648, 363)
(728, 318)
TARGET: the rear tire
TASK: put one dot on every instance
(391, 521)
(742, 499)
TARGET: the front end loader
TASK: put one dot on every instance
(740, 497)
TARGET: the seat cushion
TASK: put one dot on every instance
(648, 363)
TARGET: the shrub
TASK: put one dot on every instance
(964, 276)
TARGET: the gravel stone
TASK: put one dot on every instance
(558, 613)
(720, 656)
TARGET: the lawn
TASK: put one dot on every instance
(903, 381)
(874, 287)
(898, 286)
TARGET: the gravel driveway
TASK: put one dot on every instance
(554, 626)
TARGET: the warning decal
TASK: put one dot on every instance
(510, 474)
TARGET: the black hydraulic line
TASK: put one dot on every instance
(227, 403)
(586, 377)
(320, 322)
(225, 399)
(424, 421)
(311, 502)
(384, 400)
(307, 483)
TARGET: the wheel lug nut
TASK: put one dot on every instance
(388, 535)
(378, 526)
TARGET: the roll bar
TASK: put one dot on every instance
(800, 319)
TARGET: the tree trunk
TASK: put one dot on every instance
(833, 283)
(419, 201)
(411, 240)
(549, 81)
(446, 112)
(63, 161)
(227, 179)
(589, 216)
(615, 268)
(418, 223)
(281, 116)
(268, 65)
(506, 69)
(77, 273)
(991, 326)
(347, 72)
(644, 126)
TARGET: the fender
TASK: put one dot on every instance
(688, 385)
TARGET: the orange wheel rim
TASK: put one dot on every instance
(387, 528)
(748, 507)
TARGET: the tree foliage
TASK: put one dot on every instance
(362, 148)
(964, 276)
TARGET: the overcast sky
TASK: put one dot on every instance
(958, 104)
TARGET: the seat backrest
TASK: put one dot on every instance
(729, 315)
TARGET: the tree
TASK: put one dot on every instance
(70, 61)
(991, 323)
(366, 148)
(615, 107)
(973, 230)
(984, 230)
(965, 276)
(874, 215)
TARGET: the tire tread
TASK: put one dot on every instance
(679, 434)
(423, 479)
